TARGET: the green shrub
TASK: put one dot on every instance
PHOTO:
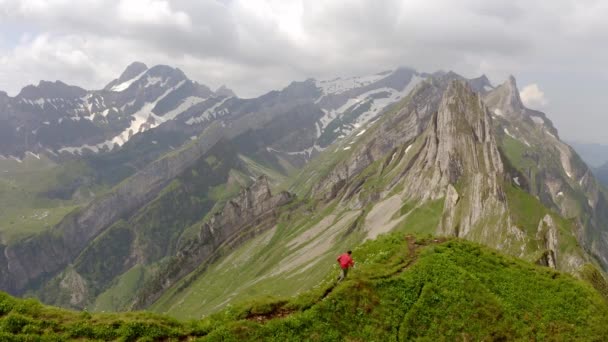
(14, 323)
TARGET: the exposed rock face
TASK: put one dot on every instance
(130, 72)
(395, 130)
(255, 207)
(548, 237)
(225, 91)
(460, 150)
(76, 286)
(251, 203)
(454, 148)
(506, 99)
(448, 149)
(480, 84)
(551, 170)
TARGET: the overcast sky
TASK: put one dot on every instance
(556, 49)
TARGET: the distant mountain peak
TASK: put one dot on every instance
(48, 89)
(133, 70)
(225, 91)
(505, 99)
(481, 84)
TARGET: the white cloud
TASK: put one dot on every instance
(533, 97)
(152, 12)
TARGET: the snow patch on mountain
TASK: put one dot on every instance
(150, 81)
(141, 120)
(509, 133)
(186, 104)
(93, 148)
(126, 84)
(207, 114)
(340, 85)
(537, 119)
(35, 155)
(142, 117)
(377, 105)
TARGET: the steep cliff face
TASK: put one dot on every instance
(405, 121)
(549, 169)
(253, 211)
(452, 154)
(459, 158)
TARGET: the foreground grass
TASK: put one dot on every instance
(401, 289)
(28, 320)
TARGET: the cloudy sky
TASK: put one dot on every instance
(556, 49)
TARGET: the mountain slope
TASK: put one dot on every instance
(401, 289)
(551, 170)
(438, 162)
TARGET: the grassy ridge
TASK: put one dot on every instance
(401, 289)
(28, 320)
(453, 291)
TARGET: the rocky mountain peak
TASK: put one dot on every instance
(462, 126)
(399, 78)
(132, 70)
(225, 91)
(166, 71)
(46, 89)
(481, 84)
(505, 101)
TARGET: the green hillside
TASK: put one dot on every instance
(33, 194)
(402, 288)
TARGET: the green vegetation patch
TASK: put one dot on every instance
(401, 290)
(423, 219)
(526, 210)
(28, 320)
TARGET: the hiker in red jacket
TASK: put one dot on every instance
(346, 262)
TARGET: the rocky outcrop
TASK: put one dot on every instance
(460, 151)
(394, 130)
(547, 236)
(76, 286)
(252, 202)
(250, 213)
(505, 99)
(458, 146)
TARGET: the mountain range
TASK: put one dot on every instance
(160, 193)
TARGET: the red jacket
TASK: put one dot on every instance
(345, 261)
